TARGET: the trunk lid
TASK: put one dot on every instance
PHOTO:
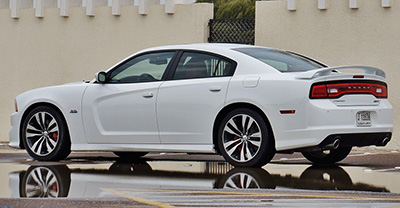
(347, 85)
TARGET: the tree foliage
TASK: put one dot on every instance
(227, 9)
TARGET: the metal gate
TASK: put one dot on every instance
(232, 31)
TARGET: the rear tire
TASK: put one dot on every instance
(246, 178)
(244, 139)
(326, 178)
(328, 156)
(45, 134)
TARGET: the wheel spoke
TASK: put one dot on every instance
(40, 146)
(257, 134)
(32, 128)
(249, 154)
(229, 143)
(231, 184)
(36, 177)
(255, 143)
(232, 150)
(250, 124)
(55, 128)
(244, 123)
(233, 123)
(37, 116)
(243, 180)
(242, 156)
(248, 181)
(47, 142)
(43, 115)
(40, 174)
(34, 146)
(33, 134)
(52, 181)
(247, 121)
(32, 191)
(229, 130)
(48, 178)
(52, 142)
(53, 193)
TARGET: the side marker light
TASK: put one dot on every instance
(287, 111)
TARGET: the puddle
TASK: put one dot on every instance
(77, 180)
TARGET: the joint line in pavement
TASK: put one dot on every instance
(137, 199)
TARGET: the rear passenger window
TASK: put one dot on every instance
(198, 65)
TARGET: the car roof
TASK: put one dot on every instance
(212, 47)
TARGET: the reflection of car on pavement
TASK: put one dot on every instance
(45, 181)
(61, 181)
(243, 102)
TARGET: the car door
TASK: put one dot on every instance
(123, 109)
(189, 101)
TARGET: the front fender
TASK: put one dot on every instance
(67, 99)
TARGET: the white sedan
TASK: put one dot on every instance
(243, 102)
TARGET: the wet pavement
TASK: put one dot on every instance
(368, 176)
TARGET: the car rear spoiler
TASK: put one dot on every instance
(338, 69)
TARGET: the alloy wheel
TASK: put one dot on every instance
(241, 181)
(42, 182)
(242, 138)
(42, 133)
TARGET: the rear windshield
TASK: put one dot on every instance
(283, 61)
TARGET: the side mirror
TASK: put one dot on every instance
(101, 77)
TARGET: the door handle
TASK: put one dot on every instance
(148, 94)
(215, 88)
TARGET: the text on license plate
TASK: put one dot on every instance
(364, 118)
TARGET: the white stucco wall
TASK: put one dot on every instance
(338, 35)
(36, 52)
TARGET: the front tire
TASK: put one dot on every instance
(244, 139)
(327, 156)
(45, 134)
(46, 182)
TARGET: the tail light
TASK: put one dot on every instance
(338, 89)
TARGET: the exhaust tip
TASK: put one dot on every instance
(336, 143)
(385, 141)
(333, 145)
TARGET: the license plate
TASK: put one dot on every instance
(364, 118)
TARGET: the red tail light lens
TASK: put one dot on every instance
(319, 91)
(335, 90)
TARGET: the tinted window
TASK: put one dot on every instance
(199, 65)
(282, 60)
(145, 68)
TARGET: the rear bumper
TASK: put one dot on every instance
(318, 122)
